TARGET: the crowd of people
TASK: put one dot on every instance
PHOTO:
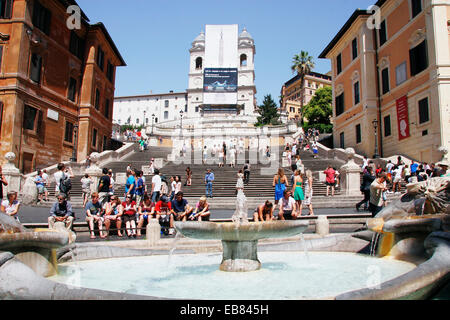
(379, 180)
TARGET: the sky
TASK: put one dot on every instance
(154, 37)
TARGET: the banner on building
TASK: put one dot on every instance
(402, 118)
(220, 86)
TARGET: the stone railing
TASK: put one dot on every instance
(24, 184)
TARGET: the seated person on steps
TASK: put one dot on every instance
(180, 207)
(201, 212)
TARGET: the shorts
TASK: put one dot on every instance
(127, 218)
(41, 189)
(331, 184)
(287, 214)
(315, 151)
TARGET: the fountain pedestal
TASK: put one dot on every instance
(240, 256)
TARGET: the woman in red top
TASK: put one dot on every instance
(129, 216)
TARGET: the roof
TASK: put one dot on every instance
(102, 27)
(356, 14)
(152, 95)
(313, 74)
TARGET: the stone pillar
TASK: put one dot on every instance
(153, 232)
(11, 173)
(322, 226)
(350, 175)
(94, 171)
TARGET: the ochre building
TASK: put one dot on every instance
(391, 72)
(56, 83)
(292, 93)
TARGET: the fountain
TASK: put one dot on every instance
(412, 259)
(240, 238)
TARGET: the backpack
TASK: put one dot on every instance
(65, 184)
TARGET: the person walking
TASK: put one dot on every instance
(86, 182)
(377, 188)
(103, 187)
(330, 180)
(297, 191)
(309, 191)
(280, 182)
(156, 186)
(247, 172)
(368, 178)
(209, 179)
(188, 176)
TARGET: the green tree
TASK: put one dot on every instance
(268, 112)
(303, 64)
(319, 110)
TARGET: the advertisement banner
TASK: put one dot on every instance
(402, 118)
(220, 85)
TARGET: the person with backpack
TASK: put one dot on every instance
(63, 182)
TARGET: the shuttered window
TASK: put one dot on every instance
(424, 114)
(418, 58)
(6, 9)
(35, 67)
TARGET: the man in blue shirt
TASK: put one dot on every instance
(414, 168)
(140, 188)
(130, 185)
(209, 178)
(61, 211)
(180, 207)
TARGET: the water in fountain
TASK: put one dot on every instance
(241, 213)
(305, 250)
(172, 250)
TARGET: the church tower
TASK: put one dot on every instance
(242, 58)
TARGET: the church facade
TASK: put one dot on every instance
(222, 56)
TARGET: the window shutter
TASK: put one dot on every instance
(8, 9)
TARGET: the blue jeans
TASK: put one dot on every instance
(209, 189)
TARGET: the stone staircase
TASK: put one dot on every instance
(257, 191)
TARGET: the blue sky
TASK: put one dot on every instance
(154, 36)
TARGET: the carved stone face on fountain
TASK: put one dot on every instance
(10, 225)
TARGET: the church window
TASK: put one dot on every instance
(198, 63)
(243, 60)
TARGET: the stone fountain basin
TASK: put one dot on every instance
(251, 231)
(38, 238)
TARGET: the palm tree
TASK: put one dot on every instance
(303, 64)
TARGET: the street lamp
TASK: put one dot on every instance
(153, 119)
(375, 127)
(75, 143)
(181, 122)
(143, 121)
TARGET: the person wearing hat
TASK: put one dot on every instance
(444, 164)
(201, 211)
(164, 213)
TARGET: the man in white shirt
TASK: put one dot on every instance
(156, 186)
(287, 210)
(389, 166)
(45, 178)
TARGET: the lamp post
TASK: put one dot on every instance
(153, 119)
(143, 121)
(375, 127)
(181, 122)
(75, 143)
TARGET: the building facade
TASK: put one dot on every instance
(245, 62)
(148, 109)
(56, 84)
(391, 72)
(291, 93)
